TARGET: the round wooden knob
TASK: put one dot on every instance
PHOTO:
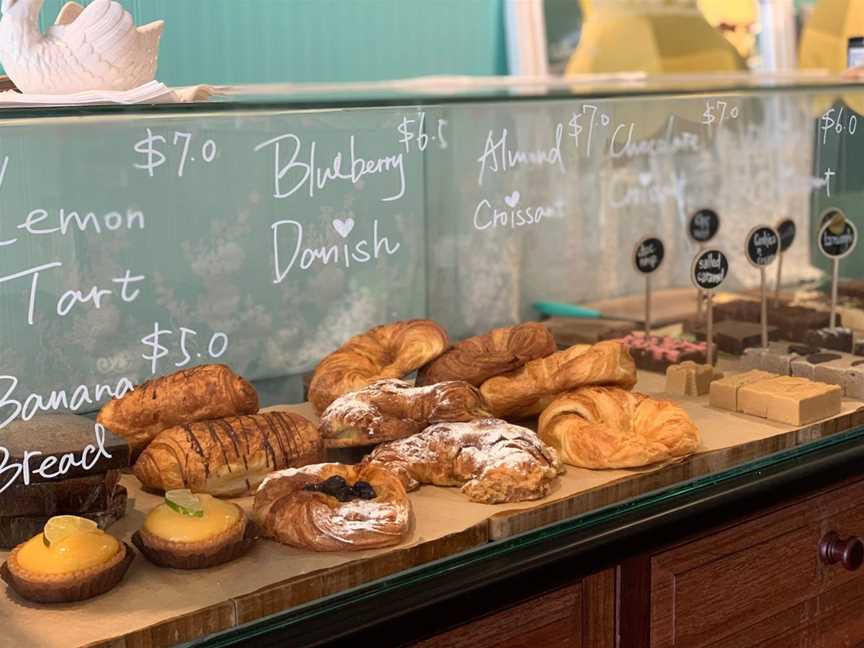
(849, 551)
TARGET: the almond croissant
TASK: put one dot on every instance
(392, 409)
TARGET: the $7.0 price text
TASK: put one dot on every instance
(155, 149)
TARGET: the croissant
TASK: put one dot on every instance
(227, 457)
(295, 508)
(491, 460)
(479, 358)
(526, 391)
(392, 409)
(389, 351)
(197, 394)
(608, 427)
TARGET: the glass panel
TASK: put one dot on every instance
(263, 230)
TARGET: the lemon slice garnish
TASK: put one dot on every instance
(184, 502)
(60, 527)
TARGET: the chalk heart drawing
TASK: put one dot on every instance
(644, 179)
(343, 227)
(512, 200)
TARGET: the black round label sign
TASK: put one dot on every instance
(786, 229)
(838, 235)
(648, 255)
(703, 225)
(709, 269)
(763, 245)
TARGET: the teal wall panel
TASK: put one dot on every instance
(261, 41)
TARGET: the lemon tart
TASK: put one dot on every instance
(192, 531)
(71, 560)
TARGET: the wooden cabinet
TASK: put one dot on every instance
(581, 615)
(758, 581)
(762, 582)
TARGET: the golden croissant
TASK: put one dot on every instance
(389, 351)
(608, 427)
(479, 358)
(526, 391)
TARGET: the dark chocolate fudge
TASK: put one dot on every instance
(568, 331)
(793, 322)
(837, 339)
(731, 336)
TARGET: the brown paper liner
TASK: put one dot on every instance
(224, 554)
(79, 591)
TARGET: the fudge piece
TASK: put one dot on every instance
(568, 331)
(68, 497)
(805, 367)
(790, 399)
(656, 353)
(15, 530)
(777, 358)
(723, 393)
(850, 288)
(846, 371)
(732, 336)
(794, 322)
(62, 441)
(837, 339)
(690, 379)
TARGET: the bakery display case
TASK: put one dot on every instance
(497, 366)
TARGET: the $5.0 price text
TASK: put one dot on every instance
(184, 342)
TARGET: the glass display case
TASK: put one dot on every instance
(263, 229)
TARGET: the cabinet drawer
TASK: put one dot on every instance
(765, 571)
(581, 615)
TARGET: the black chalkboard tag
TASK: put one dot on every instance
(648, 255)
(708, 272)
(762, 246)
(709, 269)
(703, 225)
(837, 239)
(786, 230)
(838, 236)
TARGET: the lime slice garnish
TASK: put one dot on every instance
(61, 527)
(184, 502)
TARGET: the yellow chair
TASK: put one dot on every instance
(651, 36)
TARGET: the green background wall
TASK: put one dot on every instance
(248, 41)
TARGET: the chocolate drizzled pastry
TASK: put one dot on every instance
(228, 457)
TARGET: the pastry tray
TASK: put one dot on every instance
(157, 606)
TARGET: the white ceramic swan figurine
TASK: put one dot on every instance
(97, 47)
